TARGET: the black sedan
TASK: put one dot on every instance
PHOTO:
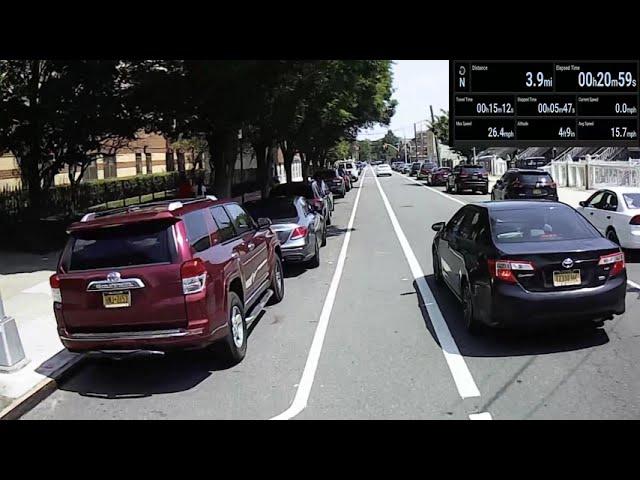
(528, 263)
(300, 229)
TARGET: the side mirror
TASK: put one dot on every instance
(498, 182)
(583, 203)
(264, 223)
(436, 227)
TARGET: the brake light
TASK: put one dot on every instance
(553, 185)
(635, 220)
(463, 175)
(615, 260)
(54, 282)
(194, 276)
(299, 232)
(504, 269)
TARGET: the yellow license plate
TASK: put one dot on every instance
(116, 299)
(565, 279)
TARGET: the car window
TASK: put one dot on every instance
(272, 208)
(469, 223)
(453, 227)
(594, 201)
(241, 219)
(226, 230)
(141, 244)
(609, 201)
(535, 178)
(632, 200)
(197, 230)
(540, 224)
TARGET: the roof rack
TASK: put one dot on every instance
(171, 205)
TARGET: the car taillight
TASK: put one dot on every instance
(54, 282)
(615, 260)
(463, 175)
(635, 220)
(485, 175)
(504, 269)
(299, 232)
(194, 276)
(552, 185)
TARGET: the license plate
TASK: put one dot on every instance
(565, 279)
(474, 176)
(537, 191)
(117, 299)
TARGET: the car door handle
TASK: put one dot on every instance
(590, 213)
(608, 217)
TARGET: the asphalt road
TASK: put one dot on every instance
(368, 335)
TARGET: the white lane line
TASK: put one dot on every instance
(459, 370)
(431, 189)
(480, 416)
(633, 284)
(42, 287)
(306, 382)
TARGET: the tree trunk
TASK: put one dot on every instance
(288, 159)
(264, 178)
(222, 149)
(305, 167)
(33, 159)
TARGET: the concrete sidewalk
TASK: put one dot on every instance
(24, 282)
(571, 196)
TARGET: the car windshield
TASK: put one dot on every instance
(141, 244)
(632, 200)
(417, 164)
(540, 224)
(272, 208)
(535, 178)
(327, 174)
(291, 189)
(473, 169)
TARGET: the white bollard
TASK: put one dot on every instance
(12, 355)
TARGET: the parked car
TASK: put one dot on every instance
(301, 230)
(164, 276)
(322, 204)
(525, 184)
(351, 169)
(615, 212)
(425, 169)
(415, 168)
(346, 176)
(528, 263)
(334, 181)
(383, 169)
(406, 168)
(468, 177)
(438, 176)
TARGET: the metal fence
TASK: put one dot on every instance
(595, 174)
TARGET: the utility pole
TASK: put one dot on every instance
(435, 137)
(415, 138)
(241, 165)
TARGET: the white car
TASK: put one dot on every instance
(351, 169)
(615, 211)
(383, 169)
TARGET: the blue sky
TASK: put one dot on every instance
(417, 84)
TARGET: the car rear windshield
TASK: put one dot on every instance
(327, 174)
(632, 200)
(428, 165)
(349, 165)
(124, 246)
(473, 169)
(534, 178)
(540, 224)
(272, 208)
(287, 189)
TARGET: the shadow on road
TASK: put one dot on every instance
(333, 231)
(22, 262)
(292, 270)
(507, 342)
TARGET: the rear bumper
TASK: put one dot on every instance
(511, 305)
(297, 254)
(471, 184)
(156, 340)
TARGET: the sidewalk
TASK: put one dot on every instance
(571, 196)
(24, 283)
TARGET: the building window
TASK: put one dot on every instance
(91, 173)
(110, 169)
(181, 162)
(170, 161)
(147, 157)
(138, 164)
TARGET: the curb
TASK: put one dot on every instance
(18, 407)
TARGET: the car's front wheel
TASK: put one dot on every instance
(315, 260)
(613, 236)
(277, 282)
(437, 266)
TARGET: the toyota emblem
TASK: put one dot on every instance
(115, 276)
(567, 263)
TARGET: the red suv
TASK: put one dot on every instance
(164, 276)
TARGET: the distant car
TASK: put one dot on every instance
(517, 263)
(334, 181)
(521, 184)
(468, 177)
(438, 176)
(383, 169)
(415, 168)
(406, 168)
(351, 169)
(425, 169)
(346, 176)
(166, 276)
(300, 229)
(615, 212)
(322, 204)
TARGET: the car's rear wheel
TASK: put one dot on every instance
(277, 282)
(235, 344)
(315, 260)
(611, 235)
(470, 320)
(437, 267)
(485, 191)
(324, 236)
